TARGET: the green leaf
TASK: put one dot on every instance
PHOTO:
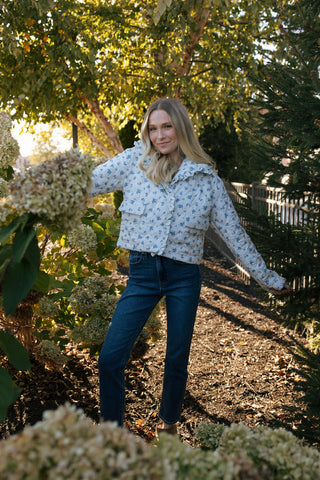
(16, 353)
(7, 173)
(44, 282)
(9, 392)
(19, 277)
(5, 256)
(21, 242)
(8, 230)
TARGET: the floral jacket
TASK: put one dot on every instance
(171, 219)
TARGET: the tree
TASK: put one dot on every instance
(52, 66)
(231, 149)
(289, 128)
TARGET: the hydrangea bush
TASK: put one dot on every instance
(66, 445)
(278, 451)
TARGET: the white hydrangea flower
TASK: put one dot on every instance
(84, 304)
(55, 190)
(83, 237)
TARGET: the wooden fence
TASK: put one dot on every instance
(265, 199)
(272, 200)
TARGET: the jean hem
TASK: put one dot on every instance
(168, 423)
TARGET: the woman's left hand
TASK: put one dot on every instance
(285, 289)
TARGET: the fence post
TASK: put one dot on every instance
(255, 192)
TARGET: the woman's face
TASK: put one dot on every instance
(162, 133)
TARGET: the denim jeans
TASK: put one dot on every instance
(150, 278)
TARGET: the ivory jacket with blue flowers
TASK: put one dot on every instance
(171, 219)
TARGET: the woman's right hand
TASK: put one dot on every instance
(285, 289)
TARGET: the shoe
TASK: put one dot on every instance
(172, 430)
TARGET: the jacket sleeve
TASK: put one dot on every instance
(226, 222)
(111, 175)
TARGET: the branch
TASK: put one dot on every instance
(200, 73)
(286, 36)
(201, 19)
(105, 124)
(91, 136)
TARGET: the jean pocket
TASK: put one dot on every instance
(135, 257)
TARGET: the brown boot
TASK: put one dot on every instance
(169, 430)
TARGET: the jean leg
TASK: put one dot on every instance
(131, 314)
(182, 303)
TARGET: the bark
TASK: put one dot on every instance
(91, 136)
(105, 124)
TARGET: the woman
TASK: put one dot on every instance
(171, 196)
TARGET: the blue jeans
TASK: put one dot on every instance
(150, 278)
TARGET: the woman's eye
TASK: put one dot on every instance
(168, 126)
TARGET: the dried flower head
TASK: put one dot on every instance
(47, 308)
(106, 210)
(5, 123)
(7, 211)
(67, 445)
(83, 237)
(92, 298)
(49, 353)
(9, 148)
(3, 188)
(92, 332)
(55, 190)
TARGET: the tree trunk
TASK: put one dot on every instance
(106, 126)
(93, 139)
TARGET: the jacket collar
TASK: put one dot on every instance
(188, 168)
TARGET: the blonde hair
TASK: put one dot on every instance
(161, 168)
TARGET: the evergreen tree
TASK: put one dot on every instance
(231, 149)
(289, 128)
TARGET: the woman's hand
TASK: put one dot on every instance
(285, 289)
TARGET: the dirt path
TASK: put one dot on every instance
(241, 368)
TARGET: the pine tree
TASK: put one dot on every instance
(289, 128)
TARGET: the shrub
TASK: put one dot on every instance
(279, 451)
(66, 445)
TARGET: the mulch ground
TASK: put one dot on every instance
(241, 369)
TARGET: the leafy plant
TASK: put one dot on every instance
(18, 357)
